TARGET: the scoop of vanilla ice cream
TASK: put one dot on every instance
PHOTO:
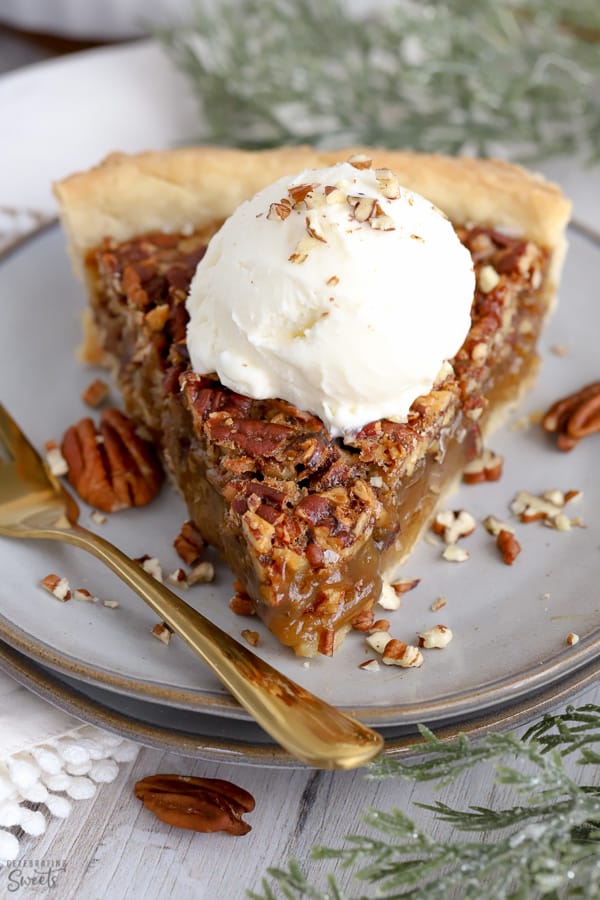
(336, 290)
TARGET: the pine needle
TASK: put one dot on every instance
(545, 845)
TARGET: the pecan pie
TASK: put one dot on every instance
(309, 523)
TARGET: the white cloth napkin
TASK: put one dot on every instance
(47, 759)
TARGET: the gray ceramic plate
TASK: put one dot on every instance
(509, 623)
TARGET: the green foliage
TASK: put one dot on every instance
(546, 845)
(519, 76)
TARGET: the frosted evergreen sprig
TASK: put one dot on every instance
(547, 845)
(519, 78)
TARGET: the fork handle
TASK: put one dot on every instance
(307, 727)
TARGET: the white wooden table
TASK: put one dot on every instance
(114, 849)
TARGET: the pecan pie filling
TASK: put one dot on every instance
(309, 523)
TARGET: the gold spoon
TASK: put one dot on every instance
(34, 504)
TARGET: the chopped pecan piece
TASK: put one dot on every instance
(157, 317)
(454, 553)
(508, 546)
(389, 598)
(404, 585)
(397, 653)
(438, 637)
(200, 804)
(57, 586)
(242, 604)
(189, 543)
(299, 192)
(178, 578)
(162, 632)
(364, 620)
(252, 637)
(369, 665)
(453, 525)
(202, 573)
(361, 161)
(55, 459)
(487, 467)
(113, 467)
(326, 641)
(95, 393)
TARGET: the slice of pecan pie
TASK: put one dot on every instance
(310, 523)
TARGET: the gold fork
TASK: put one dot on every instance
(34, 504)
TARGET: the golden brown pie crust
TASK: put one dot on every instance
(188, 188)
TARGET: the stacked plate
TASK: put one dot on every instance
(509, 658)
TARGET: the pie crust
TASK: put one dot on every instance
(309, 524)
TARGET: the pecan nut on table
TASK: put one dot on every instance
(200, 804)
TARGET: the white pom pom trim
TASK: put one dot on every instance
(72, 765)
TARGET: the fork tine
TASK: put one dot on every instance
(7, 426)
(21, 452)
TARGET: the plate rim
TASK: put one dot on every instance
(569, 662)
(49, 687)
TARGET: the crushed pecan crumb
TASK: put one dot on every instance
(162, 632)
(389, 598)
(178, 578)
(397, 653)
(202, 573)
(252, 637)
(84, 595)
(404, 585)
(364, 620)
(151, 565)
(326, 641)
(189, 543)
(57, 586)
(388, 183)
(494, 526)
(55, 459)
(487, 467)
(547, 508)
(360, 161)
(436, 637)
(452, 526)
(157, 317)
(454, 553)
(96, 393)
(378, 640)
(242, 604)
(369, 665)
(508, 546)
